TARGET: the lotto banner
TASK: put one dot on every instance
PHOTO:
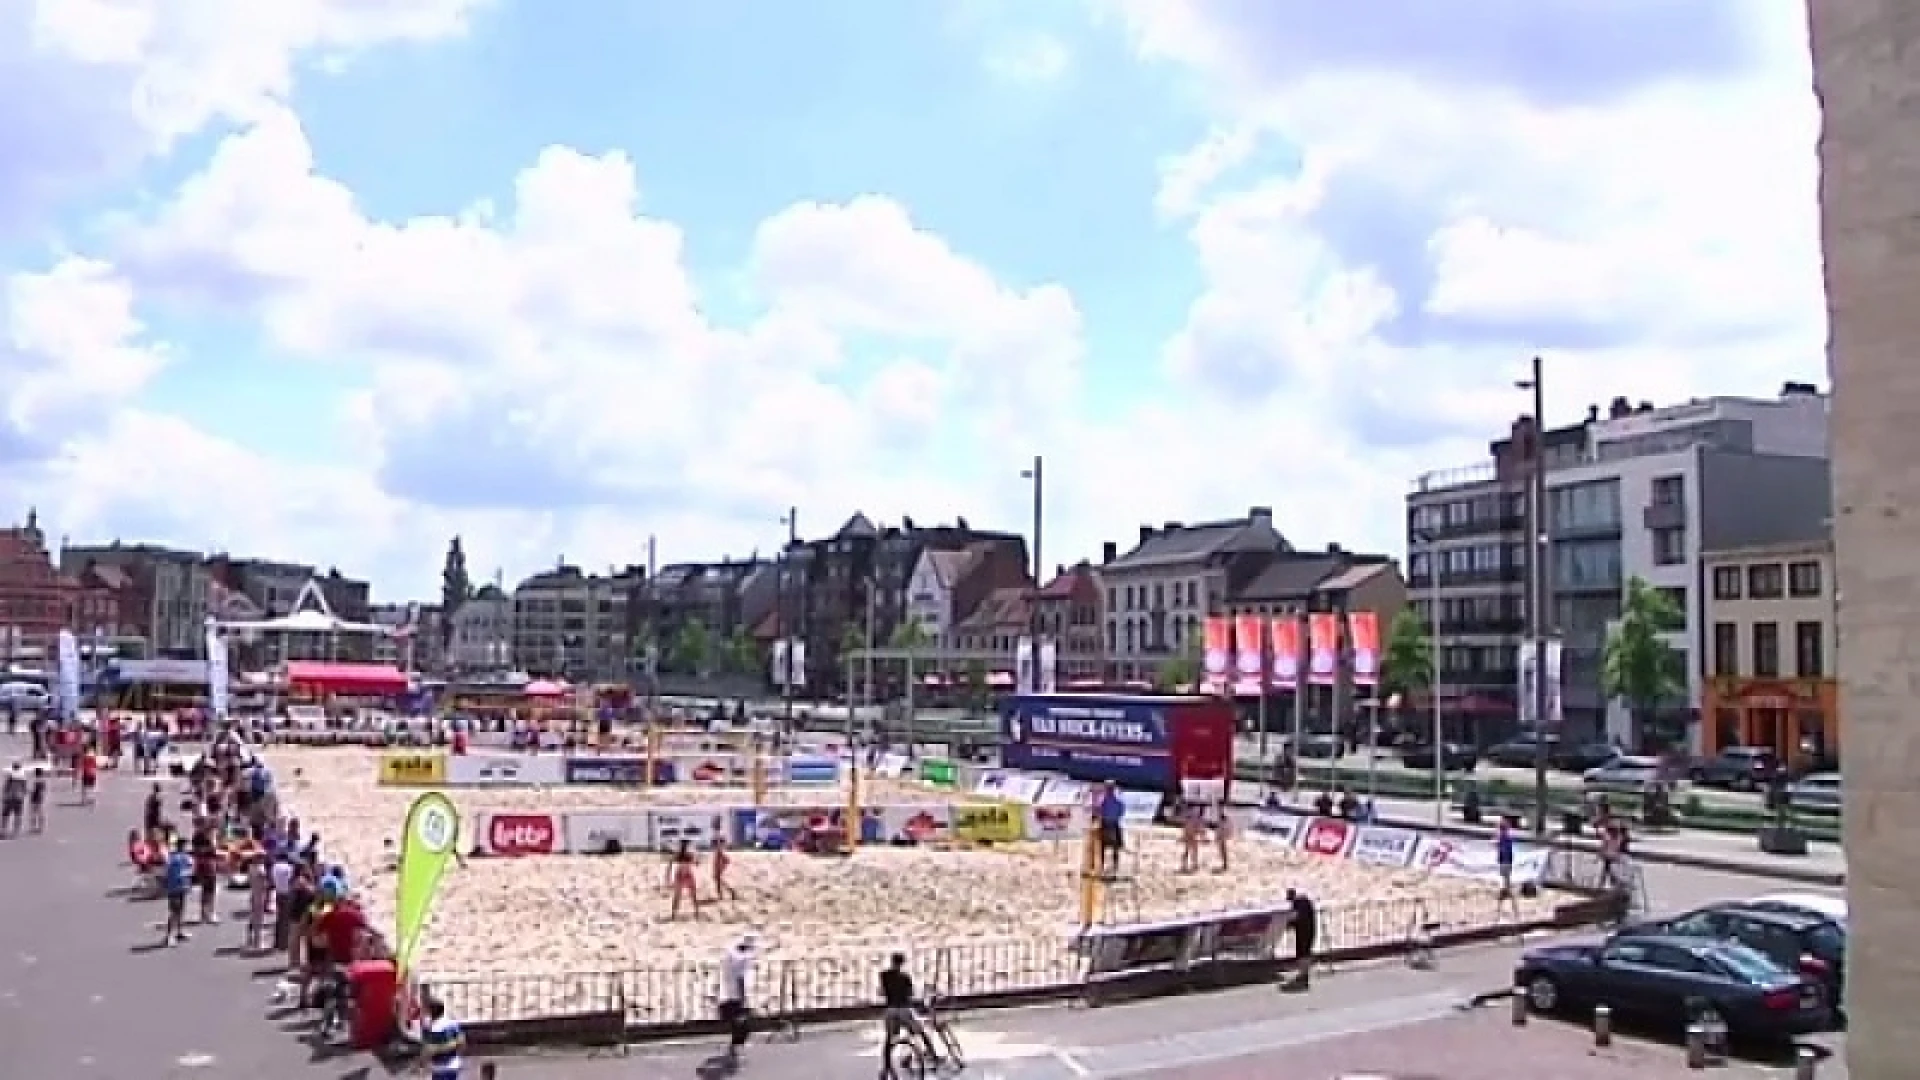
(1217, 655)
(1323, 648)
(1286, 653)
(1250, 659)
(1363, 630)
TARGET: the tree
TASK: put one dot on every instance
(739, 654)
(973, 687)
(1181, 669)
(1638, 667)
(910, 634)
(1407, 665)
(693, 648)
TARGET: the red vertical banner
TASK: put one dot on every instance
(1363, 631)
(1217, 656)
(1323, 648)
(1286, 652)
(1250, 656)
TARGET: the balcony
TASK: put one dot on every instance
(1419, 536)
(1502, 625)
(1455, 677)
(1665, 515)
(1506, 575)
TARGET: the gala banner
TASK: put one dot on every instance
(1323, 648)
(1217, 655)
(1250, 658)
(1363, 630)
(1286, 653)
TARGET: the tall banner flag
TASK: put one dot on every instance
(1555, 712)
(1217, 655)
(1250, 656)
(1023, 665)
(69, 675)
(1323, 648)
(1363, 630)
(430, 841)
(1286, 652)
(219, 678)
(1049, 666)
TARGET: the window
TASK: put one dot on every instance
(1584, 507)
(1764, 581)
(1418, 564)
(1459, 513)
(1726, 583)
(1669, 490)
(1809, 651)
(1726, 649)
(1586, 565)
(1766, 650)
(1803, 579)
(1677, 596)
(1669, 547)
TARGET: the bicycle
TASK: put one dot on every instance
(935, 1023)
(906, 1055)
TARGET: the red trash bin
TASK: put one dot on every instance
(376, 986)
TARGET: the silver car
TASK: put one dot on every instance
(1815, 793)
(1623, 775)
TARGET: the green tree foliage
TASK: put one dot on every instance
(909, 634)
(1638, 667)
(693, 648)
(1407, 665)
(1181, 669)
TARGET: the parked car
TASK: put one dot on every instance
(1622, 776)
(1579, 757)
(1322, 747)
(1793, 938)
(1833, 907)
(1454, 757)
(1672, 981)
(1738, 768)
(1518, 752)
(24, 695)
(1815, 793)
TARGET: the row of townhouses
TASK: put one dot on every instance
(1723, 504)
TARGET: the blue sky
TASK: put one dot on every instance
(1201, 254)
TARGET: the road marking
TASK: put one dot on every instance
(194, 1059)
(1072, 1063)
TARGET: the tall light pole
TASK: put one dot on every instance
(1538, 619)
(1428, 538)
(1035, 474)
(792, 521)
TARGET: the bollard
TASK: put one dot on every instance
(1602, 1026)
(1696, 1046)
(1519, 1005)
(1806, 1061)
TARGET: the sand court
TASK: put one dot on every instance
(577, 913)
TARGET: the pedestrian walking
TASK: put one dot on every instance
(1305, 924)
(736, 969)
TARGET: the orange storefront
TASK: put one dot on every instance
(1795, 717)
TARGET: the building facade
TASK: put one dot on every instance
(38, 599)
(930, 593)
(1772, 651)
(1159, 593)
(480, 637)
(725, 601)
(414, 637)
(1639, 492)
(571, 625)
(166, 597)
(1071, 611)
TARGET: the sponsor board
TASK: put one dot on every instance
(1278, 826)
(1203, 791)
(512, 835)
(1055, 822)
(1060, 791)
(772, 828)
(505, 770)
(616, 771)
(805, 771)
(710, 769)
(1023, 787)
(892, 766)
(698, 827)
(1380, 845)
(991, 784)
(930, 824)
(413, 770)
(1141, 807)
(989, 823)
(596, 832)
(1478, 860)
(1331, 837)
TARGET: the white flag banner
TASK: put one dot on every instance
(1023, 664)
(1049, 666)
(219, 679)
(1556, 713)
(1530, 691)
(69, 676)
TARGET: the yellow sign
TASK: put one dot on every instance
(989, 823)
(413, 770)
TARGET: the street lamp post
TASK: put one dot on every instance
(792, 522)
(1035, 474)
(1537, 615)
(1433, 674)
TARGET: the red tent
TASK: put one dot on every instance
(347, 678)
(543, 688)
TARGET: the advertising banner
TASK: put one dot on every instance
(939, 772)
(1023, 787)
(989, 823)
(604, 832)
(1323, 648)
(812, 771)
(1141, 807)
(1250, 656)
(68, 685)
(1278, 826)
(929, 824)
(1055, 822)
(711, 769)
(667, 828)
(990, 784)
(1024, 676)
(1331, 837)
(1059, 791)
(1286, 652)
(1126, 740)
(1478, 860)
(1240, 935)
(1216, 655)
(1378, 845)
(506, 770)
(1529, 701)
(1363, 630)
(219, 675)
(892, 765)
(413, 770)
(773, 828)
(1133, 950)
(429, 841)
(1049, 666)
(616, 770)
(513, 835)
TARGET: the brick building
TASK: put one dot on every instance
(37, 601)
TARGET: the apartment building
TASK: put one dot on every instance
(1070, 610)
(1637, 492)
(727, 599)
(1160, 591)
(572, 625)
(1771, 649)
(414, 640)
(480, 636)
(166, 596)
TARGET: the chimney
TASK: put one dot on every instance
(1260, 515)
(1146, 533)
(1059, 569)
(1171, 526)
(1109, 551)
(1593, 414)
(1799, 389)
(1644, 407)
(1620, 407)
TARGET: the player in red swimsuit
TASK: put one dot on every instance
(683, 879)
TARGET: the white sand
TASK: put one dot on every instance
(583, 913)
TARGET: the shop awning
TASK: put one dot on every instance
(347, 678)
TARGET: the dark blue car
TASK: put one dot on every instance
(1671, 981)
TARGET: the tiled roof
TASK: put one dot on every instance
(1357, 575)
(1064, 583)
(950, 566)
(859, 526)
(1289, 578)
(1001, 608)
(1198, 543)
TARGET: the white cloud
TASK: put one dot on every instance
(1029, 58)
